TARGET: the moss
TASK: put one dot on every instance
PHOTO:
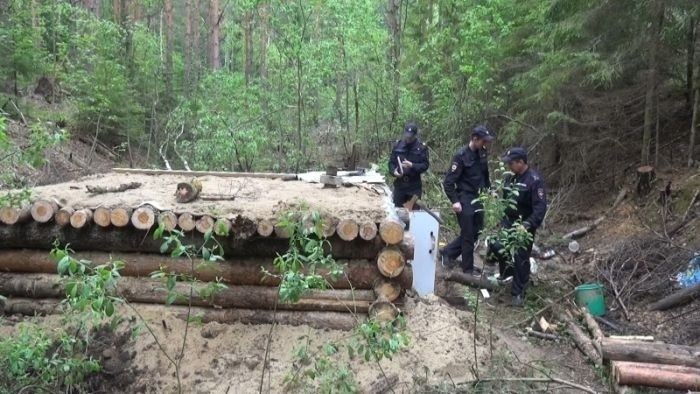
(686, 191)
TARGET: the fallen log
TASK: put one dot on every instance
(80, 218)
(168, 220)
(680, 297)
(319, 320)
(102, 217)
(43, 211)
(347, 229)
(391, 261)
(656, 375)
(633, 338)
(153, 292)
(188, 191)
(144, 217)
(222, 174)
(186, 222)
(469, 280)
(594, 329)
(30, 307)
(328, 225)
(62, 217)
(586, 229)
(114, 189)
(37, 236)
(120, 217)
(582, 341)
(14, 215)
(204, 224)
(358, 274)
(657, 353)
(391, 231)
(368, 231)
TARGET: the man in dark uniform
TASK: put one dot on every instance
(408, 160)
(468, 175)
(531, 207)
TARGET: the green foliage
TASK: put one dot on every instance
(47, 362)
(306, 254)
(376, 340)
(320, 372)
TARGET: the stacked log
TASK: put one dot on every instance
(375, 256)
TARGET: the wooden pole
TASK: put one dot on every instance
(102, 216)
(358, 274)
(43, 210)
(657, 353)
(656, 375)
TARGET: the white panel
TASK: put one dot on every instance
(425, 229)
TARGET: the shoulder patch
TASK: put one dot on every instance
(540, 193)
(454, 167)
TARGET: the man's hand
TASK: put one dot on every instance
(406, 164)
(397, 173)
(457, 207)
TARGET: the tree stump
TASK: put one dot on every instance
(645, 178)
(102, 217)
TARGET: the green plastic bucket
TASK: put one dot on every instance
(592, 297)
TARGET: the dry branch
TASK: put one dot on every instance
(678, 298)
(113, 189)
(581, 339)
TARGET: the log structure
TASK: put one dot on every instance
(657, 353)
(663, 376)
(102, 224)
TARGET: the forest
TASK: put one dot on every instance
(108, 106)
(286, 85)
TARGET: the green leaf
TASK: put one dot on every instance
(63, 265)
(164, 247)
(171, 298)
(170, 283)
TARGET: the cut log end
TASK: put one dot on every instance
(168, 220)
(281, 231)
(222, 227)
(143, 218)
(347, 229)
(383, 311)
(80, 218)
(329, 225)
(13, 215)
(63, 216)
(188, 191)
(391, 231)
(204, 224)
(186, 222)
(387, 289)
(43, 210)
(368, 231)
(265, 228)
(120, 217)
(391, 262)
(102, 217)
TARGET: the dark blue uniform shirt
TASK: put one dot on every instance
(468, 174)
(416, 153)
(531, 201)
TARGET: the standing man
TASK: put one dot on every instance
(408, 160)
(528, 214)
(468, 175)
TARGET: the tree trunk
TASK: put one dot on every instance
(656, 375)
(582, 340)
(247, 22)
(40, 236)
(357, 274)
(151, 292)
(693, 125)
(394, 54)
(678, 298)
(196, 44)
(658, 353)
(214, 51)
(690, 62)
(189, 15)
(656, 11)
(169, 96)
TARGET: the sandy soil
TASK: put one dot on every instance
(254, 197)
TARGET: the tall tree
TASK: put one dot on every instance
(264, 39)
(168, 51)
(656, 11)
(247, 22)
(393, 18)
(214, 44)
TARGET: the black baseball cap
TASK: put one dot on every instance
(410, 128)
(516, 153)
(482, 133)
